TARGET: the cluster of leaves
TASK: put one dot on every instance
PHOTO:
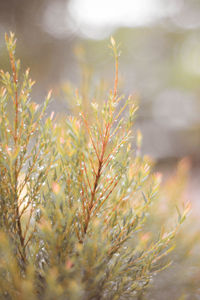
(74, 198)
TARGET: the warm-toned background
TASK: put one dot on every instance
(160, 61)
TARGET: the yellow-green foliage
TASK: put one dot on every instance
(74, 198)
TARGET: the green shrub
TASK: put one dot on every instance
(74, 198)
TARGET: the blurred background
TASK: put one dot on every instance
(160, 62)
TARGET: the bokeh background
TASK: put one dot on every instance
(160, 62)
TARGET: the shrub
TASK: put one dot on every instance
(74, 198)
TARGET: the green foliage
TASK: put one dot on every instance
(74, 198)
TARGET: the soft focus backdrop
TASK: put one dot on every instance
(160, 60)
